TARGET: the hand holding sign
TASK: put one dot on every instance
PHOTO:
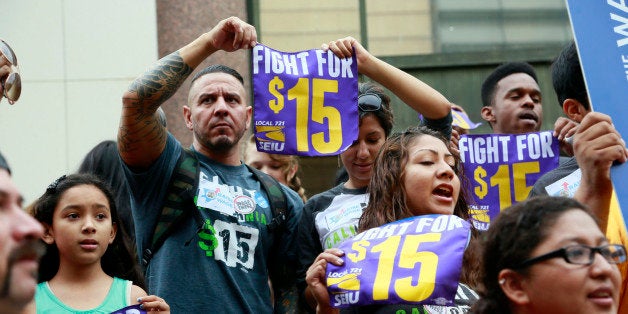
(305, 102)
(232, 34)
(503, 168)
(316, 278)
(413, 261)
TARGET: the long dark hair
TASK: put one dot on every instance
(384, 115)
(104, 162)
(388, 195)
(510, 239)
(118, 261)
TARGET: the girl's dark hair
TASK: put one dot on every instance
(510, 239)
(119, 260)
(104, 162)
(384, 115)
(388, 195)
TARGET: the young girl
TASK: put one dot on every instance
(414, 174)
(88, 267)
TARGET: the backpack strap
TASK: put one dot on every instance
(180, 198)
(277, 198)
(278, 270)
(176, 206)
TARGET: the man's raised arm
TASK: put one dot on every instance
(141, 138)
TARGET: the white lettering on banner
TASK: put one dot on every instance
(624, 60)
(378, 233)
(440, 224)
(335, 66)
(623, 28)
(347, 298)
(535, 145)
(484, 150)
(278, 63)
(271, 146)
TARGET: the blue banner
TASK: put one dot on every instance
(412, 261)
(502, 169)
(601, 34)
(305, 103)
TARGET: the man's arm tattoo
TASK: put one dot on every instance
(150, 90)
(161, 81)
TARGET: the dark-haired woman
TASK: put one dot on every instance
(548, 255)
(331, 217)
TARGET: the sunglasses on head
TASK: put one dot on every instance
(369, 102)
(12, 85)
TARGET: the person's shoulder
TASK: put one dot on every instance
(329, 193)
(324, 196)
(291, 195)
(137, 292)
(566, 166)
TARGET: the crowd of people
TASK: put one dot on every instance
(147, 222)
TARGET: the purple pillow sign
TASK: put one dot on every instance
(502, 169)
(412, 261)
(132, 309)
(305, 103)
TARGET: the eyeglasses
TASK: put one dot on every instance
(582, 255)
(369, 102)
(12, 85)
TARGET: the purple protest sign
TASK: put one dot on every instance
(462, 120)
(305, 103)
(132, 309)
(411, 261)
(502, 169)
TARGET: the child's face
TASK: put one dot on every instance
(81, 225)
(263, 162)
(430, 181)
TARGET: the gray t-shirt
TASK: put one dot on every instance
(566, 167)
(217, 259)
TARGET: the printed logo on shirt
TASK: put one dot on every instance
(230, 200)
(229, 242)
(566, 186)
(339, 235)
(344, 215)
(244, 204)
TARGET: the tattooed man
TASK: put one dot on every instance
(218, 258)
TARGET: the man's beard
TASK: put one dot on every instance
(32, 247)
(218, 144)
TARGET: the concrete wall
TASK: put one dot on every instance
(76, 58)
(394, 27)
